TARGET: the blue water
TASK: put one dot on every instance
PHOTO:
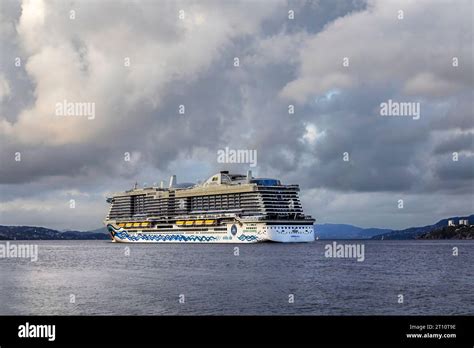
(104, 280)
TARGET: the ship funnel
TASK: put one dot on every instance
(249, 175)
(173, 181)
(162, 184)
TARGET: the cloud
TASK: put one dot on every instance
(189, 62)
(85, 60)
(381, 210)
(455, 142)
(55, 212)
(381, 48)
(4, 88)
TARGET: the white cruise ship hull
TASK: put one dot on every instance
(234, 233)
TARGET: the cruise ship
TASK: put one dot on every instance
(226, 208)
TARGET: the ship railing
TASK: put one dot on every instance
(205, 216)
(193, 216)
(208, 212)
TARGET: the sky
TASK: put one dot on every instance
(301, 83)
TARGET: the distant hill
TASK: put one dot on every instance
(450, 232)
(344, 231)
(414, 232)
(99, 230)
(42, 233)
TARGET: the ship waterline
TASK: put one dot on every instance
(227, 208)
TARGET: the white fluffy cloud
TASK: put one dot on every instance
(83, 59)
(416, 52)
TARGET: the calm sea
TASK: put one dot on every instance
(100, 277)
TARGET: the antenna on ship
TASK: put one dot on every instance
(173, 181)
(249, 175)
(135, 186)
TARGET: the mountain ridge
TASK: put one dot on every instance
(43, 233)
(347, 231)
(414, 232)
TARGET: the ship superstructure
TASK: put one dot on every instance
(226, 208)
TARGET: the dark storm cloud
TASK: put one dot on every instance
(458, 113)
(382, 151)
(312, 16)
(461, 142)
(461, 171)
